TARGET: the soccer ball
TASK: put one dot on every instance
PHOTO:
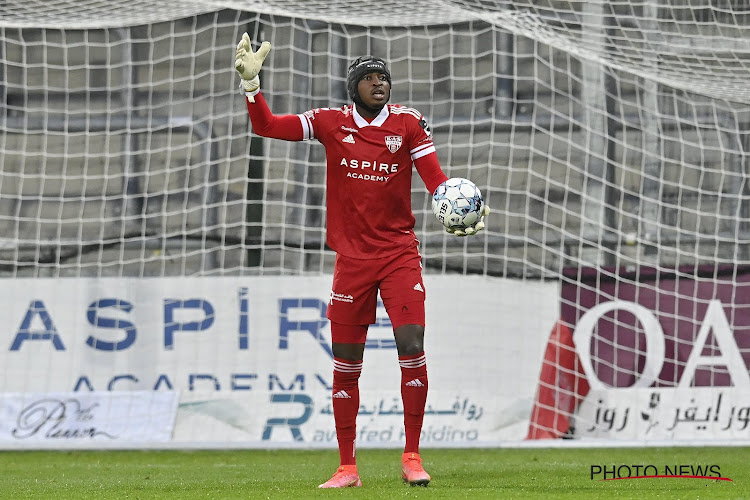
(457, 203)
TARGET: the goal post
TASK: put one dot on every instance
(143, 225)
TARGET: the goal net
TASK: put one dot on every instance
(610, 140)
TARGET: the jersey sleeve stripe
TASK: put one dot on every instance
(410, 111)
(415, 114)
(422, 146)
(422, 151)
(307, 128)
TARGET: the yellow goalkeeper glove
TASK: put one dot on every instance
(248, 63)
(478, 225)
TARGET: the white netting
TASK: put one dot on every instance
(611, 135)
(536, 99)
(701, 47)
(95, 14)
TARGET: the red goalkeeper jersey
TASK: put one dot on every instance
(369, 171)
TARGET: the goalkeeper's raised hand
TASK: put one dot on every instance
(478, 225)
(248, 63)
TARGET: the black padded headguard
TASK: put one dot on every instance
(361, 67)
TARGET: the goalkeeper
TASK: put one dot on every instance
(371, 148)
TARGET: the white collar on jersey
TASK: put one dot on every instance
(378, 121)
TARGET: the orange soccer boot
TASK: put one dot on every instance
(412, 471)
(346, 476)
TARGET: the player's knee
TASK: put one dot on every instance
(349, 352)
(348, 341)
(409, 339)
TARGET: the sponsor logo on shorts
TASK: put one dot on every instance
(341, 297)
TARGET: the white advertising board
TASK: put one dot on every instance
(74, 419)
(251, 359)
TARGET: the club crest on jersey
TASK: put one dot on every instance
(393, 142)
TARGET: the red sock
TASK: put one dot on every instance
(414, 397)
(346, 405)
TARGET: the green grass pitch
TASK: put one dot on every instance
(554, 473)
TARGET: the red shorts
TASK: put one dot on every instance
(354, 295)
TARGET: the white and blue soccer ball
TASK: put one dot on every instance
(457, 203)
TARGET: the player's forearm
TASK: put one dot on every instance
(266, 124)
(428, 168)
